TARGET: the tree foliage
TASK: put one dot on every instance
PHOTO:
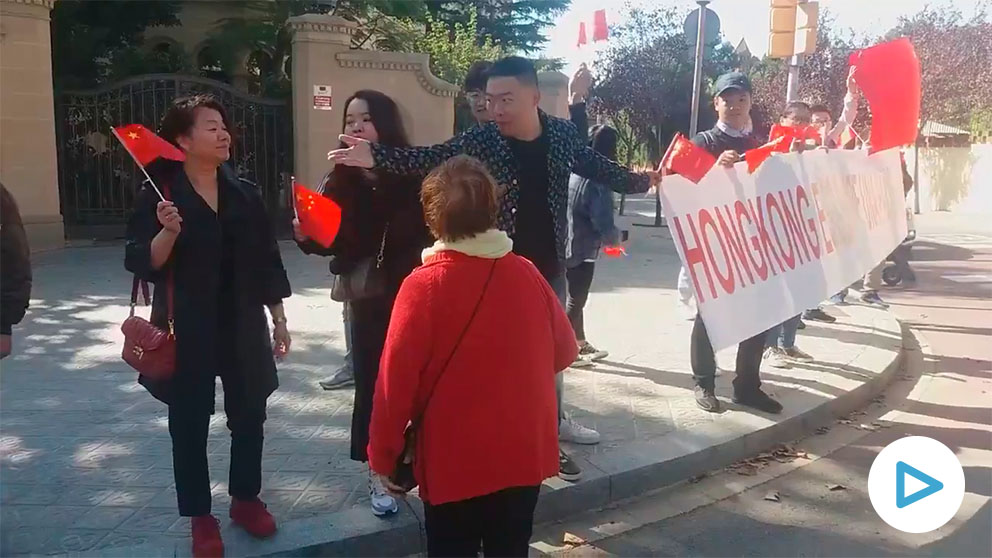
(955, 55)
(648, 72)
(510, 24)
(93, 40)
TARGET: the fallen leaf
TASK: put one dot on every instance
(697, 478)
(823, 430)
(773, 496)
(573, 540)
(833, 487)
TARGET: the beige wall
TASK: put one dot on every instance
(28, 159)
(321, 56)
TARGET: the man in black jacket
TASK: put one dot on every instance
(15, 266)
(727, 141)
(531, 155)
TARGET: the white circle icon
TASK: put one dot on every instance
(916, 484)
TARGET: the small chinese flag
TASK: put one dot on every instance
(614, 251)
(756, 156)
(600, 31)
(582, 34)
(801, 133)
(320, 217)
(684, 158)
(144, 146)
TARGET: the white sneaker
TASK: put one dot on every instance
(776, 358)
(588, 352)
(571, 431)
(382, 502)
(581, 362)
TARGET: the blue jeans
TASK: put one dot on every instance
(784, 334)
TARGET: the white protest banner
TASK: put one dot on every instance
(763, 247)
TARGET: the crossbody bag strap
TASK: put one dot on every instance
(170, 285)
(492, 270)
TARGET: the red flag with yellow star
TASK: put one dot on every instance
(320, 217)
(144, 146)
(685, 158)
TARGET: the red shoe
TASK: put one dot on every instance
(206, 537)
(253, 517)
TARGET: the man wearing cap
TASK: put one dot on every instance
(727, 141)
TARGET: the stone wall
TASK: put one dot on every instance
(321, 56)
(28, 159)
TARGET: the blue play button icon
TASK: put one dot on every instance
(932, 485)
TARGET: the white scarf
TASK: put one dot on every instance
(491, 245)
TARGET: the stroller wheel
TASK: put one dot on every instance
(891, 275)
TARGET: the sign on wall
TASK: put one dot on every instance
(322, 97)
(760, 248)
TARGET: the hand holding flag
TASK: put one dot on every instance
(319, 217)
(144, 147)
(889, 77)
(684, 158)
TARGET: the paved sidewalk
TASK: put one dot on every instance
(85, 452)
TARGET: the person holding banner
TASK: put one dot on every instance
(379, 243)
(203, 237)
(727, 141)
(531, 155)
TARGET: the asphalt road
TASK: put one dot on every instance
(945, 393)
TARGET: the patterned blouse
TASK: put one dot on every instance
(567, 154)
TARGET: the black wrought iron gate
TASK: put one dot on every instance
(98, 180)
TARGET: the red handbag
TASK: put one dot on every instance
(147, 348)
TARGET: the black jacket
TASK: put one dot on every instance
(368, 200)
(716, 141)
(15, 264)
(220, 320)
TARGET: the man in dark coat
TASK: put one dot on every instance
(15, 266)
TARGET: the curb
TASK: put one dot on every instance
(626, 472)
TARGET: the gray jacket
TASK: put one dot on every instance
(590, 220)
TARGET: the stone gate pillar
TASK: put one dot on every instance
(28, 158)
(322, 55)
(554, 93)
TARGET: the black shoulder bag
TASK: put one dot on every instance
(403, 472)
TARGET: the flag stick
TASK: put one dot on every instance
(140, 166)
(292, 181)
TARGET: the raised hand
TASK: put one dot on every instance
(358, 153)
(852, 84)
(169, 216)
(580, 84)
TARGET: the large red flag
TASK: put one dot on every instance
(889, 76)
(582, 34)
(320, 217)
(801, 133)
(756, 156)
(600, 31)
(144, 146)
(684, 158)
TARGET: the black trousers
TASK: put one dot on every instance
(579, 283)
(501, 523)
(189, 426)
(369, 322)
(703, 360)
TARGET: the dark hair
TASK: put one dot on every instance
(478, 74)
(459, 199)
(517, 67)
(795, 106)
(385, 114)
(819, 107)
(181, 116)
(604, 141)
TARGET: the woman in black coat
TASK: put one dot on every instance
(381, 218)
(213, 241)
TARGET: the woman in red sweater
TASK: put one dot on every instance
(475, 340)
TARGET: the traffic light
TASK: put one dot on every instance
(792, 27)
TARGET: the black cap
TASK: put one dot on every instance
(731, 80)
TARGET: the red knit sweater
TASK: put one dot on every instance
(492, 421)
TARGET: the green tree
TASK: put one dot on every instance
(511, 24)
(90, 40)
(648, 70)
(453, 51)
